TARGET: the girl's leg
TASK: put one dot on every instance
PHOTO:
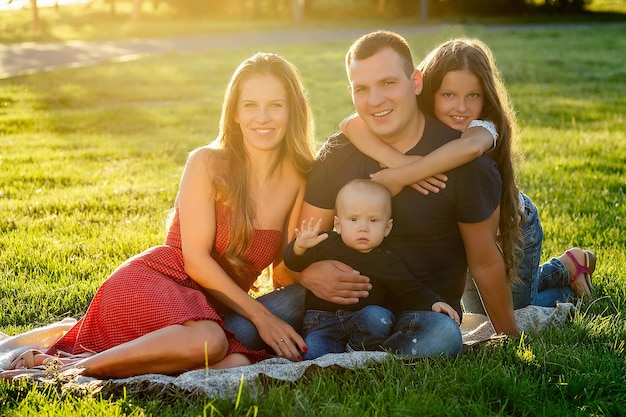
(557, 273)
(170, 350)
(526, 291)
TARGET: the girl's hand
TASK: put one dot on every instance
(389, 178)
(431, 184)
(392, 178)
(445, 308)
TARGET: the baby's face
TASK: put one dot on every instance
(362, 221)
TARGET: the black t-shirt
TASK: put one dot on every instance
(425, 232)
(393, 285)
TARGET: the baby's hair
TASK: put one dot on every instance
(369, 187)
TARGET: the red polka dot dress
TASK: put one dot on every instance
(151, 291)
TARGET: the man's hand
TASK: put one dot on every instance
(335, 282)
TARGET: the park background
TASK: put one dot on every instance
(90, 160)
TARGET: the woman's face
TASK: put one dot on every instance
(262, 112)
(459, 99)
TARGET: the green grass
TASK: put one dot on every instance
(90, 160)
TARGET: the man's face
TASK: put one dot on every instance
(383, 95)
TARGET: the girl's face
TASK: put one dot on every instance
(459, 99)
(262, 112)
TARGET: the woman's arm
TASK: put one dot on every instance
(281, 275)
(473, 142)
(196, 205)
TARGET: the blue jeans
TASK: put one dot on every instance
(425, 334)
(541, 285)
(418, 333)
(343, 331)
(287, 303)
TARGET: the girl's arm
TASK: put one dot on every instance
(371, 145)
(473, 142)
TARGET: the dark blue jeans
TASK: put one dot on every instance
(344, 331)
(286, 303)
(416, 333)
(424, 334)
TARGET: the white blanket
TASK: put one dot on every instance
(226, 383)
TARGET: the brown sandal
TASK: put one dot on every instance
(586, 270)
(28, 358)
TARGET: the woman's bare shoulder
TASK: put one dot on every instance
(206, 156)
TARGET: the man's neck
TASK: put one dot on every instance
(410, 136)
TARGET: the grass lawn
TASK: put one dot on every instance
(90, 160)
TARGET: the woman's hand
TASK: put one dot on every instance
(280, 336)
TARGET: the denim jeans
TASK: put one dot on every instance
(425, 334)
(287, 303)
(541, 285)
(343, 331)
(418, 333)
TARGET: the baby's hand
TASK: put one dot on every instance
(308, 235)
(445, 308)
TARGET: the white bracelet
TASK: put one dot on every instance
(491, 128)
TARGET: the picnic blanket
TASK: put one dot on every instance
(226, 383)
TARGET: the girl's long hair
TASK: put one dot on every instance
(473, 55)
(231, 179)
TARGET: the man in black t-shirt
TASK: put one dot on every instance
(437, 235)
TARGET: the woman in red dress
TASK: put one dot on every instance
(160, 311)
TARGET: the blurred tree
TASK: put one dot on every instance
(297, 10)
(135, 14)
(36, 22)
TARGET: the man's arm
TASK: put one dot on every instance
(487, 267)
(331, 280)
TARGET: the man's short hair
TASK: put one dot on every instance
(374, 42)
